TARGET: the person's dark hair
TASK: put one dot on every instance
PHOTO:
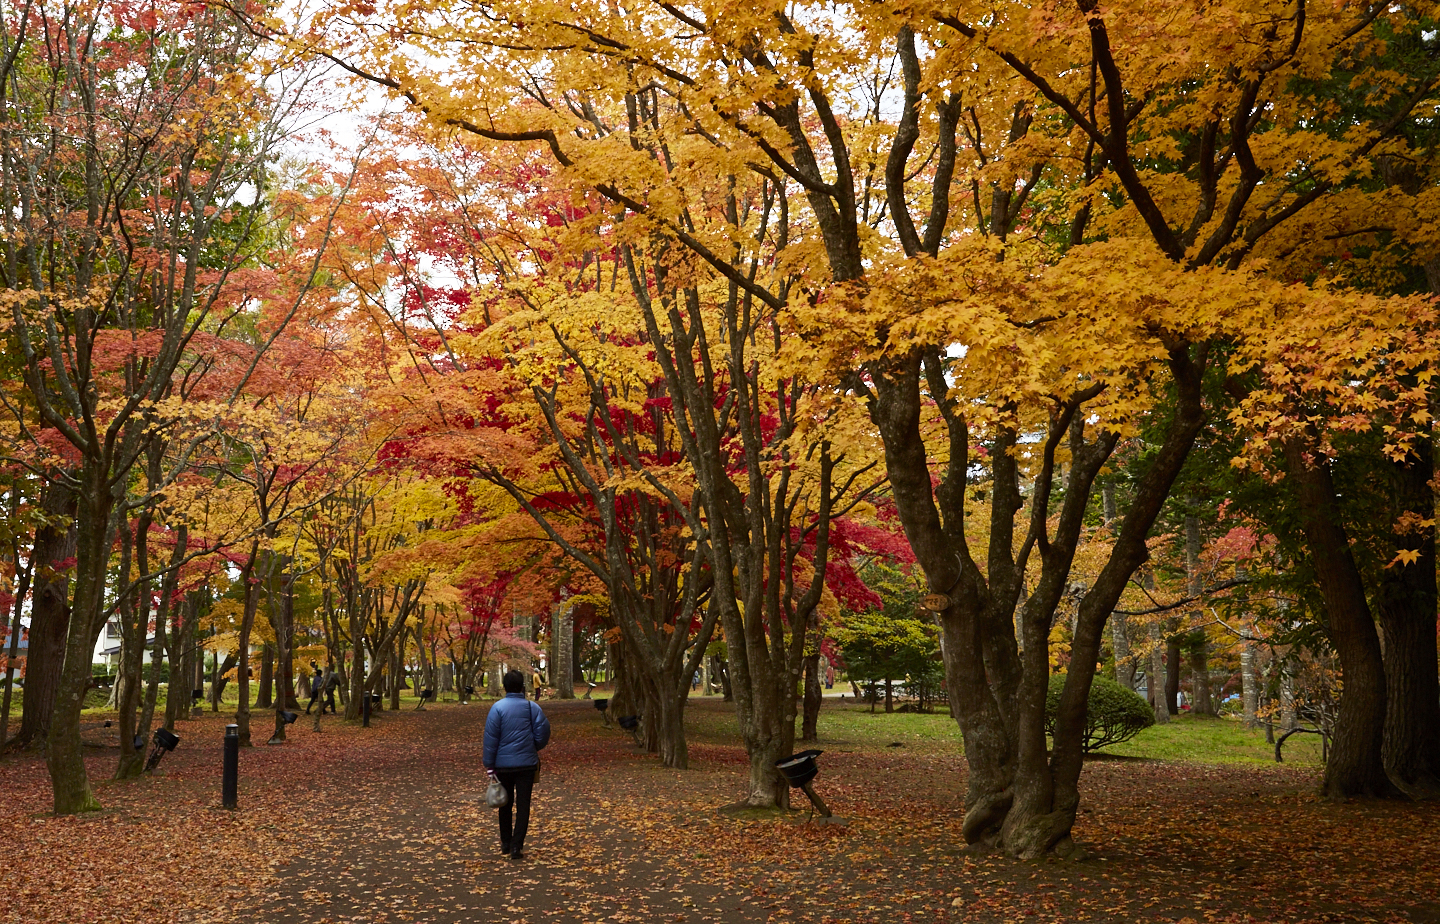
(514, 682)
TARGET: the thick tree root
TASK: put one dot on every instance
(1038, 836)
(984, 816)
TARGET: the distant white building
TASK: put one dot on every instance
(107, 647)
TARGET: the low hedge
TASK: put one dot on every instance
(1115, 713)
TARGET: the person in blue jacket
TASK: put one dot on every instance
(515, 731)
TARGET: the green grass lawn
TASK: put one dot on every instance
(1215, 741)
(1185, 737)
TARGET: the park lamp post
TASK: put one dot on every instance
(799, 770)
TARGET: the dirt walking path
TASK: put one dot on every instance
(407, 838)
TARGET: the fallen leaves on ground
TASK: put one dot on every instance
(386, 825)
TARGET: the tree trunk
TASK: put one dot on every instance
(1355, 767)
(94, 527)
(1156, 681)
(667, 704)
(250, 580)
(285, 643)
(1120, 644)
(627, 697)
(722, 667)
(1405, 602)
(810, 720)
(1289, 718)
(1250, 681)
(397, 674)
(562, 672)
(577, 670)
(49, 616)
(134, 613)
(264, 694)
(1172, 673)
(1200, 676)
(184, 676)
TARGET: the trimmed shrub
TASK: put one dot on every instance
(1115, 713)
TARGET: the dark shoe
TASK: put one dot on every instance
(517, 855)
(504, 847)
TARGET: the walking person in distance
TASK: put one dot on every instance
(332, 683)
(317, 687)
(515, 732)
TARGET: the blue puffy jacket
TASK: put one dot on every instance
(515, 731)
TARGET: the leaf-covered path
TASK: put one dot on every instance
(409, 838)
(385, 825)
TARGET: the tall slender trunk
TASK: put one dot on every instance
(1250, 680)
(810, 720)
(1173, 652)
(134, 613)
(562, 673)
(1157, 678)
(1405, 602)
(1289, 717)
(265, 686)
(49, 615)
(1355, 767)
(1200, 676)
(1120, 644)
(285, 646)
(250, 583)
(12, 646)
(65, 760)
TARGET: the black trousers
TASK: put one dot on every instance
(519, 784)
(313, 698)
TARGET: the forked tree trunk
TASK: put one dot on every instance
(1020, 798)
(668, 723)
(1355, 767)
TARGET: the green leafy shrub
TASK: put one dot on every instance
(1115, 713)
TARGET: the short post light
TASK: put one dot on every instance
(799, 770)
(165, 741)
(230, 781)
